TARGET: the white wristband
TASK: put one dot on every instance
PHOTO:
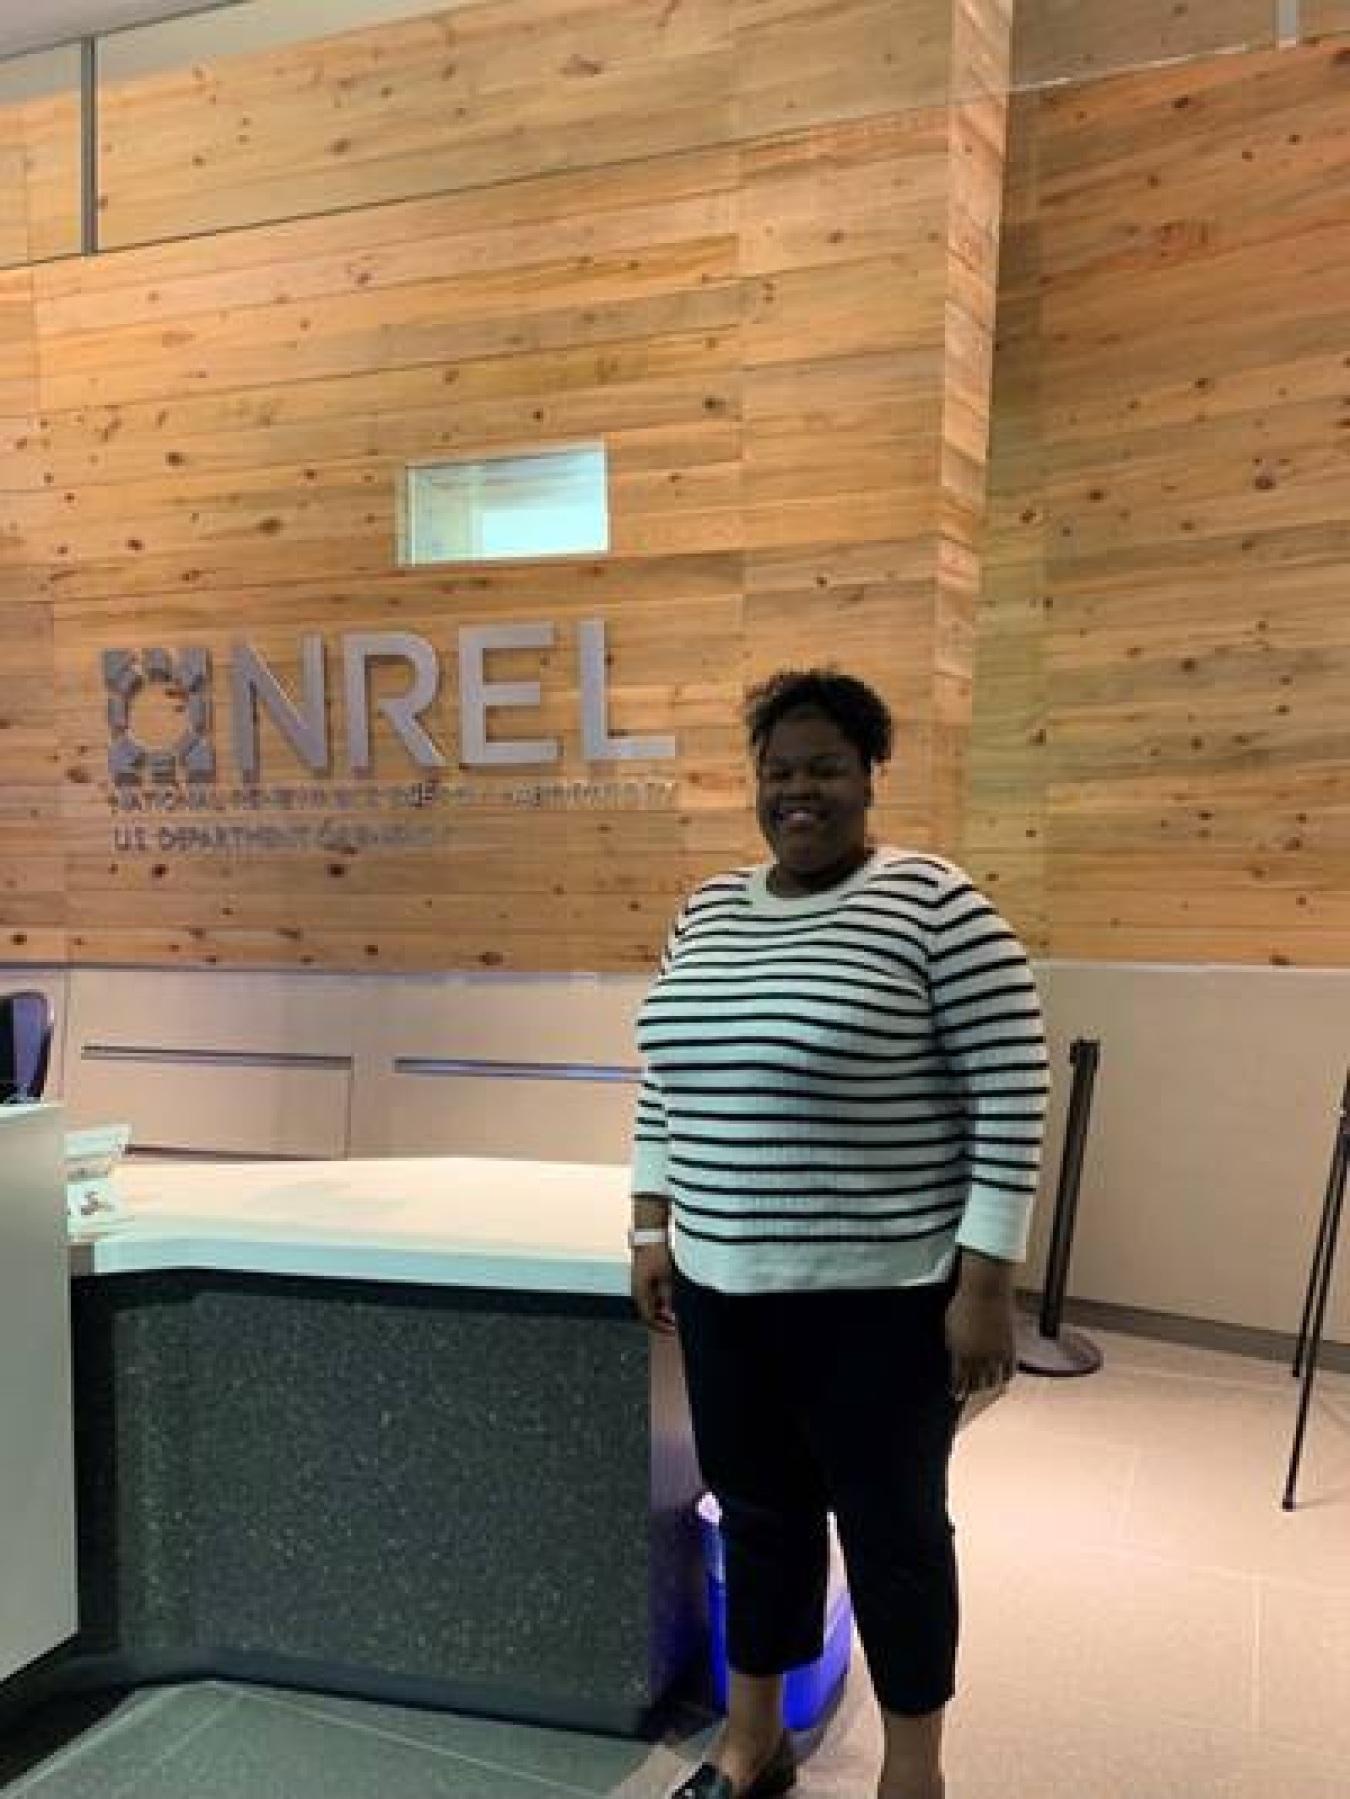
(648, 1236)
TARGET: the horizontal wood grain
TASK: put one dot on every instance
(40, 188)
(748, 243)
(1158, 758)
(1322, 19)
(1071, 40)
(429, 103)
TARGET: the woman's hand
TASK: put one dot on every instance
(981, 1327)
(652, 1275)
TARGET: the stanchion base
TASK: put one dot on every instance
(1061, 1357)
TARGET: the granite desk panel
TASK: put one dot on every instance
(386, 1428)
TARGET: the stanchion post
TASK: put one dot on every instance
(1323, 1234)
(1049, 1349)
(1319, 1288)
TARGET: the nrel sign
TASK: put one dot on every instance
(303, 719)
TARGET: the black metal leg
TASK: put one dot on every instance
(1047, 1348)
(1324, 1262)
(1336, 1176)
(1315, 1272)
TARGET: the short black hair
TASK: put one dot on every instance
(860, 714)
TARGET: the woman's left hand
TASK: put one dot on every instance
(981, 1329)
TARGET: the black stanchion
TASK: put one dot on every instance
(1319, 1287)
(1046, 1347)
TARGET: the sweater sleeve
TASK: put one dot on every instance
(988, 1020)
(650, 1136)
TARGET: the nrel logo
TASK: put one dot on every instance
(303, 719)
(127, 674)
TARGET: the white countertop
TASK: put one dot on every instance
(553, 1227)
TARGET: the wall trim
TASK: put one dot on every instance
(1196, 1333)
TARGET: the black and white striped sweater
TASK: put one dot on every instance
(840, 1089)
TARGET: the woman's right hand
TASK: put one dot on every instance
(652, 1279)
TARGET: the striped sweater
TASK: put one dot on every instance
(839, 1089)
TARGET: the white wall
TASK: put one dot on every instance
(1216, 1099)
(360, 1065)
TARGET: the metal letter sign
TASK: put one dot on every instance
(253, 683)
(362, 647)
(302, 720)
(125, 675)
(597, 743)
(477, 694)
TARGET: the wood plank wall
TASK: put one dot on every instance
(32, 867)
(14, 246)
(1075, 40)
(1160, 753)
(723, 234)
(980, 69)
(494, 92)
(39, 179)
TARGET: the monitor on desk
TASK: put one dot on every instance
(26, 1024)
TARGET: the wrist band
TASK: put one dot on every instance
(647, 1236)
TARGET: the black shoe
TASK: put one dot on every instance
(777, 1775)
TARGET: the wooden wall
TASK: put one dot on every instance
(1160, 754)
(39, 178)
(750, 242)
(32, 868)
(981, 65)
(14, 243)
(724, 234)
(497, 91)
(1077, 40)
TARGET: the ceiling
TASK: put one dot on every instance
(33, 24)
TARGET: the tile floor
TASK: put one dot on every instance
(1142, 1622)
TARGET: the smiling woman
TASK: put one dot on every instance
(816, 739)
(835, 1158)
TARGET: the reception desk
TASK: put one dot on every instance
(384, 1428)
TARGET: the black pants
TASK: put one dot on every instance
(805, 1403)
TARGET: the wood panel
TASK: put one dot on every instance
(1166, 643)
(39, 179)
(977, 126)
(1073, 40)
(14, 247)
(32, 867)
(52, 139)
(817, 62)
(896, 419)
(450, 100)
(1004, 826)
(441, 102)
(1321, 19)
(718, 235)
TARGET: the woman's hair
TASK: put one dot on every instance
(860, 714)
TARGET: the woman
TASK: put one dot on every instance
(834, 1164)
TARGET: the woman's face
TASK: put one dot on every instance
(812, 795)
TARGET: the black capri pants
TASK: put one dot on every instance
(809, 1402)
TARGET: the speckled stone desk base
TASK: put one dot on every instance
(476, 1500)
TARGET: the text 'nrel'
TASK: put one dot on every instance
(303, 719)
